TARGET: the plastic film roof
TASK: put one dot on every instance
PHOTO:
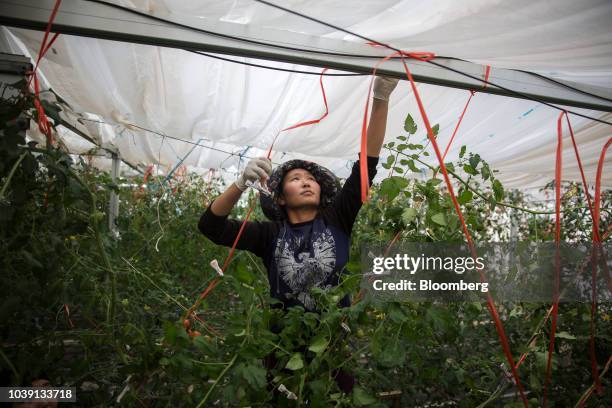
(226, 108)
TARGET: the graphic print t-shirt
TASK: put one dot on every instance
(300, 256)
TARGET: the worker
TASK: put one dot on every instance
(306, 242)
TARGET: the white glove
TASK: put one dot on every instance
(383, 86)
(256, 169)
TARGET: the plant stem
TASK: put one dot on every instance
(11, 366)
(589, 390)
(227, 367)
(212, 387)
(12, 173)
(154, 284)
(109, 269)
(478, 193)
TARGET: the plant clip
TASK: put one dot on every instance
(259, 187)
(215, 265)
(290, 395)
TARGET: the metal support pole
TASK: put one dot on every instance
(113, 206)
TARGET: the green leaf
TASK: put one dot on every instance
(402, 147)
(389, 353)
(485, 171)
(319, 344)
(565, 335)
(409, 215)
(390, 144)
(434, 181)
(399, 170)
(362, 398)
(435, 129)
(392, 186)
(402, 138)
(474, 160)
(412, 167)
(295, 362)
(439, 218)
(255, 376)
(470, 170)
(243, 274)
(390, 160)
(409, 125)
(462, 151)
(396, 314)
(498, 190)
(465, 197)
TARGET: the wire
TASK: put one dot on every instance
(174, 23)
(557, 82)
(564, 85)
(370, 40)
(178, 139)
(294, 71)
(231, 37)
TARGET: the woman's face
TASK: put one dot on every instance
(300, 189)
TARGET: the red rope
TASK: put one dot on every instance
(486, 76)
(555, 309)
(147, 174)
(472, 93)
(363, 155)
(597, 247)
(596, 239)
(490, 304)
(582, 401)
(308, 122)
(43, 122)
(458, 123)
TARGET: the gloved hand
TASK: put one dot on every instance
(383, 86)
(256, 169)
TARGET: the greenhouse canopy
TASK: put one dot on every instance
(143, 87)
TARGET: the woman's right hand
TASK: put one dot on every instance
(256, 169)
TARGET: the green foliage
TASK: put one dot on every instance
(409, 125)
(55, 244)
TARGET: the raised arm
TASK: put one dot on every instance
(348, 202)
(383, 86)
(256, 169)
(215, 225)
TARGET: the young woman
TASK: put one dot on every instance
(306, 242)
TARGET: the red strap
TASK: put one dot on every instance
(458, 123)
(597, 208)
(308, 122)
(486, 76)
(597, 246)
(490, 304)
(363, 154)
(43, 123)
(555, 308)
(596, 239)
(472, 93)
(148, 173)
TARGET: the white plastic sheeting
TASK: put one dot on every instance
(239, 109)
